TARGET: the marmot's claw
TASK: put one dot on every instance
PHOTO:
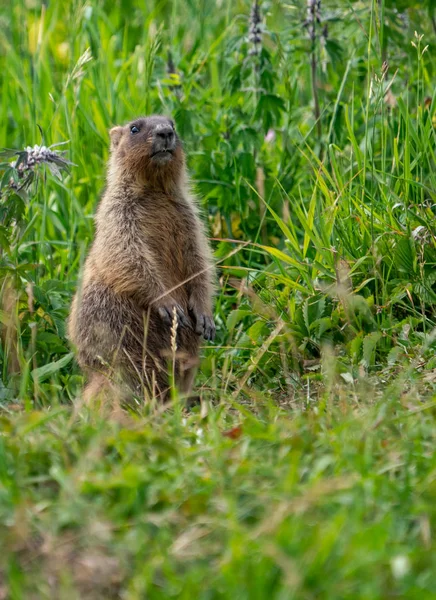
(199, 323)
(184, 321)
(209, 329)
(166, 313)
(204, 324)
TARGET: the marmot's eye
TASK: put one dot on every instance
(134, 129)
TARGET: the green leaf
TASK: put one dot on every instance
(369, 345)
(46, 371)
(236, 316)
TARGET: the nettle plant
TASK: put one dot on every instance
(354, 264)
(33, 309)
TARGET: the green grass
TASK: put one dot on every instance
(307, 471)
(336, 501)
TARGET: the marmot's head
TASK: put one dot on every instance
(148, 149)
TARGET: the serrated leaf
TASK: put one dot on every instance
(255, 331)
(236, 316)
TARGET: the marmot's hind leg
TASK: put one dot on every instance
(101, 389)
(186, 381)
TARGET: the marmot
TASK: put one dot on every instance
(150, 260)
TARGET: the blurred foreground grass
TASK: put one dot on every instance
(221, 502)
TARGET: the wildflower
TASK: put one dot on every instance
(313, 18)
(28, 159)
(400, 566)
(270, 136)
(255, 32)
(173, 76)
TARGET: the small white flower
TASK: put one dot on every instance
(400, 566)
(270, 136)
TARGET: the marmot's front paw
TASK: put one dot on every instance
(203, 324)
(166, 313)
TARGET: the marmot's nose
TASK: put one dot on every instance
(165, 133)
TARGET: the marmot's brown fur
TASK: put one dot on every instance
(150, 260)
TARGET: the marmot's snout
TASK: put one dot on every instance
(164, 142)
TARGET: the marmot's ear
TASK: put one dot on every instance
(115, 133)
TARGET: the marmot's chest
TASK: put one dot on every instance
(170, 234)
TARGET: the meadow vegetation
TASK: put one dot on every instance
(308, 469)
